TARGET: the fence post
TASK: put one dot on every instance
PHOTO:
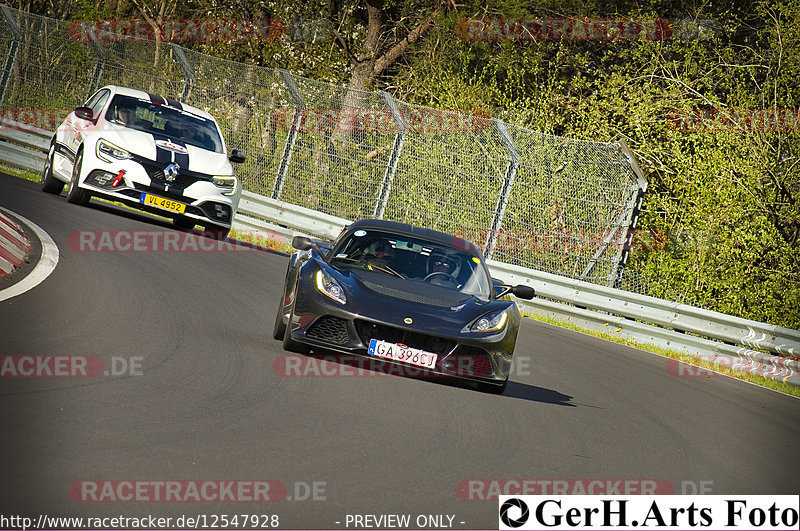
(605, 243)
(633, 210)
(99, 66)
(188, 71)
(286, 156)
(505, 191)
(13, 49)
(394, 157)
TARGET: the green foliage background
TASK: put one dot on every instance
(728, 200)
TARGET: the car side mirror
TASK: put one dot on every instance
(523, 292)
(84, 113)
(302, 243)
(499, 288)
(237, 156)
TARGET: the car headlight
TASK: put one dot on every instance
(226, 182)
(109, 152)
(491, 322)
(328, 286)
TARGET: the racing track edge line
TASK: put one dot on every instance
(46, 265)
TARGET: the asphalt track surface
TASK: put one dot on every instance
(207, 404)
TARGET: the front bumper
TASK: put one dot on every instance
(204, 201)
(325, 324)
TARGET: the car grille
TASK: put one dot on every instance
(469, 361)
(329, 328)
(101, 179)
(368, 330)
(413, 297)
(217, 211)
(156, 175)
(177, 196)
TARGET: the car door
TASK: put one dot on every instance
(67, 136)
(81, 127)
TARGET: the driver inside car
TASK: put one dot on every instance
(382, 255)
(442, 270)
(125, 116)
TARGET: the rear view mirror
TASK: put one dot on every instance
(237, 156)
(302, 243)
(84, 113)
(523, 292)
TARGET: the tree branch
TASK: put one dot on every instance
(396, 51)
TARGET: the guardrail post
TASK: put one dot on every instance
(634, 207)
(291, 137)
(11, 58)
(188, 72)
(394, 157)
(99, 66)
(505, 191)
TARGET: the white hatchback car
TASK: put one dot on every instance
(152, 153)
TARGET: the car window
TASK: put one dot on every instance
(165, 121)
(413, 259)
(93, 99)
(101, 100)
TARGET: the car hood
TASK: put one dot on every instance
(163, 150)
(392, 300)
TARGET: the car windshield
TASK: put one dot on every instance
(165, 121)
(414, 260)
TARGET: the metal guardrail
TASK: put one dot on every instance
(23, 146)
(727, 341)
(719, 338)
(301, 219)
(660, 312)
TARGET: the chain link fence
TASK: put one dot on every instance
(555, 204)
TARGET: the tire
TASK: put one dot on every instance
(290, 344)
(75, 194)
(493, 389)
(279, 330)
(49, 183)
(220, 233)
(183, 222)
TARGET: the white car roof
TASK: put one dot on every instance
(126, 91)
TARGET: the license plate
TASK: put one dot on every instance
(393, 351)
(162, 202)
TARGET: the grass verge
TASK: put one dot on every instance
(260, 240)
(22, 174)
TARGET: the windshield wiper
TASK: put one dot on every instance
(371, 267)
(386, 269)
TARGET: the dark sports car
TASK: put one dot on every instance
(412, 297)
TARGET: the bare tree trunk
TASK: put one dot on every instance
(166, 8)
(370, 66)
